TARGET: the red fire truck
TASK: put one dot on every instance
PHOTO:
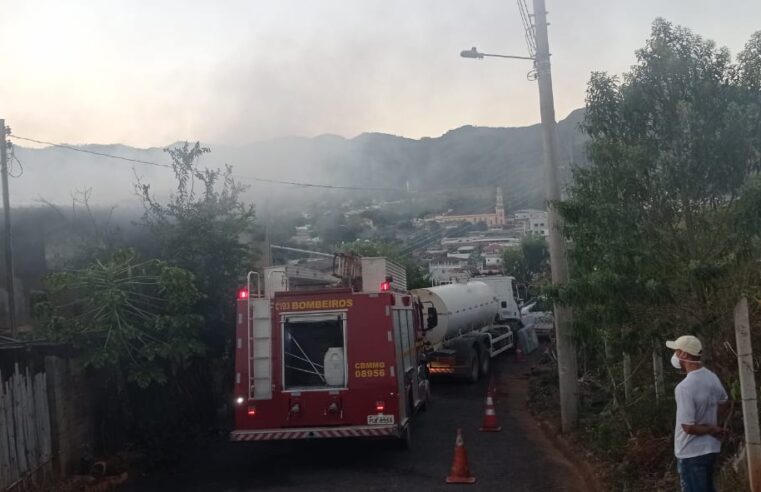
(326, 356)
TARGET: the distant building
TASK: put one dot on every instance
(533, 221)
(496, 219)
(495, 248)
(459, 256)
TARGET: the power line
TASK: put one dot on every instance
(86, 151)
(314, 185)
(14, 158)
(169, 166)
(245, 177)
(529, 34)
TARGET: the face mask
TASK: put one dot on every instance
(675, 362)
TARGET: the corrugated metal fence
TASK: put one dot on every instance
(25, 435)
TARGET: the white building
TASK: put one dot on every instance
(533, 221)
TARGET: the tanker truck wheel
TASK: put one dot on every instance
(475, 368)
(485, 364)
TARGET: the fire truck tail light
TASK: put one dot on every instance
(380, 406)
(243, 294)
(251, 411)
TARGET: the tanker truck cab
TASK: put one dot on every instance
(507, 292)
(463, 330)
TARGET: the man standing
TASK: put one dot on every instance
(700, 398)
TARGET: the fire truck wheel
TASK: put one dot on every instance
(475, 367)
(405, 441)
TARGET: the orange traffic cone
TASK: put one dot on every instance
(490, 415)
(460, 472)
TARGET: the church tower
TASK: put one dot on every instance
(500, 208)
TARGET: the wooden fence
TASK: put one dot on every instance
(25, 434)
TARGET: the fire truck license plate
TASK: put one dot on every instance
(380, 419)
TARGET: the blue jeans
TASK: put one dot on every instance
(696, 473)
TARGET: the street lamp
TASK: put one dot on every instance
(471, 53)
(474, 53)
(539, 49)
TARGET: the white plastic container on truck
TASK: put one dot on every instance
(334, 367)
(463, 334)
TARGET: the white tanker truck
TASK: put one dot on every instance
(468, 324)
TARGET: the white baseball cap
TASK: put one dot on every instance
(686, 343)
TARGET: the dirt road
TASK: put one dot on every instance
(517, 459)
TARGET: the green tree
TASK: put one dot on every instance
(534, 249)
(671, 148)
(528, 262)
(333, 228)
(663, 223)
(204, 227)
(125, 315)
(514, 263)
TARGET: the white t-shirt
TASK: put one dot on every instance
(697, 399)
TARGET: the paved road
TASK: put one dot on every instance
(517, 459)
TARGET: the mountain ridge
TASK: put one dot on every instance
(467, 156)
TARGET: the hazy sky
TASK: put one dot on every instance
(150, 73)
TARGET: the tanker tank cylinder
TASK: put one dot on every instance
(459, 308)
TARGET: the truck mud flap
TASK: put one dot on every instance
(315, 433)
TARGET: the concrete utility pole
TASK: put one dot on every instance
(748, 391)
(566, 347)
(9, 284)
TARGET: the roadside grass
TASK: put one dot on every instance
(630, 447)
